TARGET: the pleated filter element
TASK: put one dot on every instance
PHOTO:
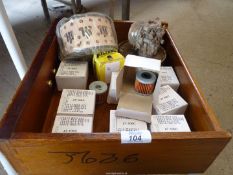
(100, 88)
(145, 82)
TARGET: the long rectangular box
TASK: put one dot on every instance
(29, 145)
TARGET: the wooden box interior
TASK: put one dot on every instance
(41, 99)
(26, 138)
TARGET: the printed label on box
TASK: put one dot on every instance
(170, 101)
(72, 124)
(169, 123)
(109, 68)
(168, 77)
(118, 124)
(77, 102)
(72, 68)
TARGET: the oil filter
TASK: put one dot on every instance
(100, 88)
(145, 82)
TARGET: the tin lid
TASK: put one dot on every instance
(99, 87)
(146, 77)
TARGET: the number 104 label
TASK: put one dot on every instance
(141, 136)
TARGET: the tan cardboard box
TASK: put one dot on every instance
(169, 123)
(131, 104)
(77, 102)
(168, 77)
(170, 102)
(72, 75)
(72, 124)
(118, 124)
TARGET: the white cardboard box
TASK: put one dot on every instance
(72, 124)
(72, 75)
(131, 104)
(168, 77)
(170, 102)
(77, 102)
(169, 123)
(112, 93)
(118, 124)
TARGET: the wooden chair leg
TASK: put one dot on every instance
(46, 11)
(125, 9)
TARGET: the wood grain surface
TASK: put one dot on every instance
(27, 141)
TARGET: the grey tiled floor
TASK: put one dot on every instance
(202, 30)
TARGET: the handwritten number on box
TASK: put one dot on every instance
(105, 158)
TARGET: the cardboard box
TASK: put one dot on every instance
(170, 102)
(118, 124)
(72, 124)
(72, 75)
(107, 63)
(112, 93)
(168, 77)
(131, 104)
(169, 123)
(77, 102)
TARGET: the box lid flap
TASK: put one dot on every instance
(143, 62)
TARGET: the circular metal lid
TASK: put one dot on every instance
(98, 86)
(146, 77)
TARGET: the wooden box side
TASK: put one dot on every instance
(199, 114)
(168, 153)
(13, 112)
(34, 112)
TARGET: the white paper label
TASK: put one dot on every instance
(118, 124)
(169, 123)
(141, 136)
(77, 102)
(109, 68)
(72, 124)
(169, 100)
(72, 68)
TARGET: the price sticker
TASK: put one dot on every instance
(141, 136)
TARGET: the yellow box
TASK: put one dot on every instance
(106, 63)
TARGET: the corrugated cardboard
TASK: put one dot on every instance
(77, 102)
(168, 77)
(131, 104)
(169, 123)
(72, 75)
(72, 124)
(170, 102)
(118, 124)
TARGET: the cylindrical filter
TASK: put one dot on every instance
(145, 82)
(100, 88)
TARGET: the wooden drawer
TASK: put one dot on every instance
(29, 145)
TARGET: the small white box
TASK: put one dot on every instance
(72, 124)
(118, 124)
(132, 104)
(170, 102)
(77, 102)
(168, 77)
(169, 123)
(72, 75)
(112, 92)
